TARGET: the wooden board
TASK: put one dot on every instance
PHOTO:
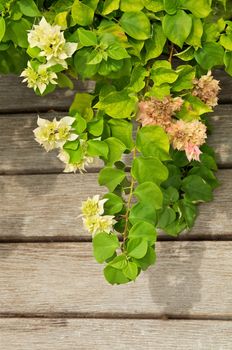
(190, 279)
(20, 154)
(43, 207)
(16, 97)
(100, 334)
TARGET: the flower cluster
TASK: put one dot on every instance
(207, 89)
(50, 40)
(159, 112)
(93, 216)
(188, 137)
(38, 77)
(53, 134)
(184, 136)
(52, 46)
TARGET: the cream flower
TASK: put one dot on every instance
(188, 137)
(38, 79)
(159, 112)
(93, 206)
(50, 40)
(96, 224)
(207, 89)
(73, 168)
(54, 134)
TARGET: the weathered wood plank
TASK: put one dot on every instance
(16, 97)
(19, 153)
(100, 334)
(38, 207)
(190, 279)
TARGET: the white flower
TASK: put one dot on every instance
(50, 40)
(93, 206)
(96, 224)
(73, 168)
(53, 134)
(38, 79)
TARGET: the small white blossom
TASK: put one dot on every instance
(73, 168)
(96, 224)
(53, 134)
(93, 206)
(50, 40)
(38, 79)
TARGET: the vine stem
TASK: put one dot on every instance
(171, 53)
(129, 201)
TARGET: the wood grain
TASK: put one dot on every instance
(190, 279)
(100, 334)
(20, 154)
(16, 97)
(38, 207)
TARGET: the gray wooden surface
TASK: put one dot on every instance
(53, 294)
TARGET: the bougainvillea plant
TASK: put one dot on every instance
(152, 63)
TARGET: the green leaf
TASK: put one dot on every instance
(2, 27)
(171, 6)
(206, 174)
(145, 230)
(118, 104)
(201, 9)
(148, 260)
(95, 127)
(111, 177)
(152, 141)
(115, 276)
(122, 130)
(17, 31)
(87, 37)
(136, 25)
(116, 149)
(81, 63)
(113, 205)
(177, 27)
(119, 262)
(64, 81)
(131, 270)
(138, 76)
(155, 45)
(189, 212)
(196, 189)
(163, 75)
(80, 124)
(137, 247)
(154, 5)
(187, 54)
(186, 75)
(110, 6)
(167, 217)
(82, 104)
(104, 246)
(143, 212)
(228, 62)
(149, 169)
(97, 148)
(149, 193)
(210, 55)
(226, 41)
(82, 14)
(131, 5)
(117, 52)
(29, 8)
(194, 39)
